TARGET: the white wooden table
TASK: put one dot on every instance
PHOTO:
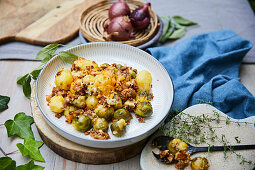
(10, 70)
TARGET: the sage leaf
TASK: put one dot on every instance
(20, 126)
(6, 163)
(167, 24)
(47, 51)
(29, 166)
(182, 21)
(67, 56)
(177, 34)
(169, 32)
(31, 148)
(36, 72)
(4, 100)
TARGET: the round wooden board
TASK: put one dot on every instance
(76, 152)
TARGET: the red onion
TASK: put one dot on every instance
(119, 29)
(140, 18)
(119, 8)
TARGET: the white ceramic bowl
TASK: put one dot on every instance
(109, 52)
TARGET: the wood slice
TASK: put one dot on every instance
(76, 152)
(41, 21)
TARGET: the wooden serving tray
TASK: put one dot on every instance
(41, 22)
(76, 152)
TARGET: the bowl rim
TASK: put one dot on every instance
(109, 140)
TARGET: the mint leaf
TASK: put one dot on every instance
(47, 51)
(67, 56)
(31, 148)
(4, 100)
(29, 166)
(182, 21)
(7, 163)
(177, 34)
(20, 126)
(36, 72)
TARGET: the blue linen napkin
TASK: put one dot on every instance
(205, 67)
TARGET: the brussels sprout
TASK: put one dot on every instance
(80, 102)
(143, 109)
(115, 101)
(100, 124)
(91, 101)
(143, 96)
(130, 103)
(176, 145)
(118, 126)
(105, 64)
(69, 109)
(132, 74)
(119, 66)
(81, 123)
(122, 114)
(199, 163)
(104, 112)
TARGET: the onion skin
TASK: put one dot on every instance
(140, 18)
(119, 8)
(119, 29)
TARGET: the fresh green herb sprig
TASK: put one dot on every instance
(45, 54)
(189, 129)
(174, 27)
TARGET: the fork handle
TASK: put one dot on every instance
(222, 148)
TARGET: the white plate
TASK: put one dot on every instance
(108, 52)
(216, 159)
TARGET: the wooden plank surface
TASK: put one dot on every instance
(41, 21)
(10, 70)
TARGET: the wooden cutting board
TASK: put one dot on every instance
(41, 22)
(76, 152)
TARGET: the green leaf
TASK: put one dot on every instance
(31, 148)
(36, 71)
(67, 56)
(25, 82)
(4, 100)
(169, 32)
(182, 21)
(22, 79)
(7, 163)
(20, 126)
(46, 59)
(177, 34)
(47, 51)
(27, 87)
(167, 24)
(29, 166)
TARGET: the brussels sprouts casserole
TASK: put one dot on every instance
(93, 97)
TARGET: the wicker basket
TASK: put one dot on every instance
(92, 21)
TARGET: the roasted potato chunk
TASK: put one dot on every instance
(56, 104)
(63, 79)
(143, 80)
